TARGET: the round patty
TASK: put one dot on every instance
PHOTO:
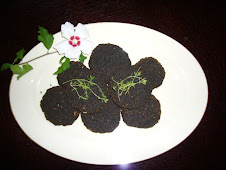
(75, 69)
(107, 58)
(88, 97)
(103, 121)
(127, 96)
(57, 108)
(145, 117)
(152, 70)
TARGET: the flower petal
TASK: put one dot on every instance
(62, 47)
(81, 31)
(70, 25)
(86, 47)
(67, 30)
(73, 52)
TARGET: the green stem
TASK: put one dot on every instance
(37, 57)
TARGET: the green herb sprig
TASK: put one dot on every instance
(86, 86)
(124, 85)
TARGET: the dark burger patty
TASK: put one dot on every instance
(56, 107)
(92, 104)
(105, 120)
(145, 117)
(75, 69)
(152, 69)
(136, 96)
(107, 58)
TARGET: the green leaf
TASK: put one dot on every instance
(45, 37)
(64, 65)
(5, 66)
(139, 73)
(91, 77)
(144, 81)
(62, 58)
(114, 88)
(82, 58)
(16, 69)
(20, 55)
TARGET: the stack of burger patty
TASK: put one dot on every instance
(112, 86)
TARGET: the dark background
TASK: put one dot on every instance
(199, 26)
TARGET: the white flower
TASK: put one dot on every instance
(77, 41)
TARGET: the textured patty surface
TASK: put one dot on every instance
(75, 69)
(145, 117)
(92, 103)
(152, 69)
(136, 96)
(103, 121)
(107, 58)
(57, 108)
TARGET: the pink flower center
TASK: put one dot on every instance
(75, 41)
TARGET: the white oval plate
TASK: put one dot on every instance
(183, 97)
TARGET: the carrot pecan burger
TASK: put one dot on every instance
(57, 108)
